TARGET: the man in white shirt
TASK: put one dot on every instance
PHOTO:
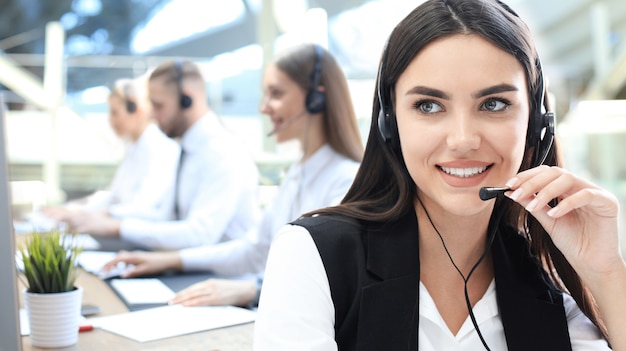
(215, 195)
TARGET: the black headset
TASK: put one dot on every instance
(131, 106)
(541, 133)
(316, 100)
(541, 126)
(185, 100)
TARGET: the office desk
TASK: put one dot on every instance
(97, 292)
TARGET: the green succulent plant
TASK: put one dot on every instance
(50, 261)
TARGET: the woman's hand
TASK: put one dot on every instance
(141, 263)
(98, 223)
(213, 292)
(584, 224)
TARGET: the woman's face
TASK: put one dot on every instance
(283, 102)
(462, 111)
(119, 119)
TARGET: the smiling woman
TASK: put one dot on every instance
(413, 258)
(474, 130)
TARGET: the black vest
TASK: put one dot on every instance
(373, 271)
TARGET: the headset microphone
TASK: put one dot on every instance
(287, 124)
(488, 193)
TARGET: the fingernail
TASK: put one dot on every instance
(516, 194)
(531, 205)
(511, 183)
(553, 211)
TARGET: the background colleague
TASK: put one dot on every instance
(215, 197)
(306, 96)
(413, 259)
(143, 180)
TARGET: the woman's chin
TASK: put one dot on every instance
(466, 203)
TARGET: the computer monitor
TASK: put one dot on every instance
(10, 338)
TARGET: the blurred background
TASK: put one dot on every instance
(59, 58)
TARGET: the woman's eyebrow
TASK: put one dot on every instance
(422, 90)
(500, 88)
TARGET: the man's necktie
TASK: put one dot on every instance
(181, 158)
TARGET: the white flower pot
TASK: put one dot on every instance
(54, 318)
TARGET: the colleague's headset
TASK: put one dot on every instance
(541, 126)
(316, 100)
(185, 100)
(131, 106)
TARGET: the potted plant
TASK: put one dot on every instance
(52, 299)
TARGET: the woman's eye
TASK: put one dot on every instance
(275, 93)
(428, 107)
(494, 105)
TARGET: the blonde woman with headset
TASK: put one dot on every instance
(143, 179)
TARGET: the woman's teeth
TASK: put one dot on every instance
(464, 172)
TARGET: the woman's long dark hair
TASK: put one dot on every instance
(340, 122)
(383, 190)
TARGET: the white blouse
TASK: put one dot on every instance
(296, 311)
(142, 181)
(322, 180)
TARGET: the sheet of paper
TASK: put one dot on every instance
(142, 291)
(168, 321)
(24, 323)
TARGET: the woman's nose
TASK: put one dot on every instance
(264, 106)
(463, 133)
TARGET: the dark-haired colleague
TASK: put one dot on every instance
(307, 99)
(215, 198)
(413, 258)
(142, 181)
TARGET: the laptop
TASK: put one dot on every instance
(9, 305)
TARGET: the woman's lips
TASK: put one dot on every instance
(464, 176)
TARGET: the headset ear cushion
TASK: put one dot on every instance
(545, 127)
(383, 126)
(131, 106)
(185, 101)
(315, 102)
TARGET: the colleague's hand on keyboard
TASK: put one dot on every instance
(140, 263)
(57, 213)
(217, 292)
(97, 223)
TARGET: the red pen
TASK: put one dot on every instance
(84, 328)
